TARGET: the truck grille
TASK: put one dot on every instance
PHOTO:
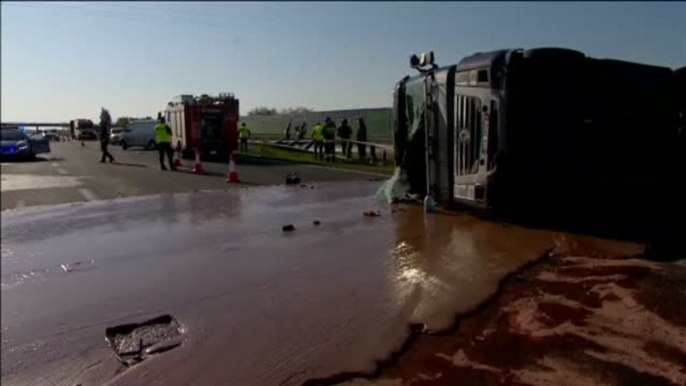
(467, 134)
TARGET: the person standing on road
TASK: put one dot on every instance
(163, 138)
(345, 132)
(318, 136)
(361, 137)
(330, 140)
(244, 134)
(105, 123)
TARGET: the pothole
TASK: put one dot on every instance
(135, 342)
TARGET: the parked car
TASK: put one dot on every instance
(15, 144)
(139, 134)
(115, 136)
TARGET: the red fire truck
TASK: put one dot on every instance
(204, 123)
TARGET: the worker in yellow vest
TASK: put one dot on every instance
(318, 136)
(244, 134)
(163, 139)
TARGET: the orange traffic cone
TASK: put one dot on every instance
(197, 168)
(233, 174)
(177, 159)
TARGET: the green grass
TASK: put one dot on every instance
(380, 166)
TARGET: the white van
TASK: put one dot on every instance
(139, 134)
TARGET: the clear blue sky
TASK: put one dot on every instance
(66, 60)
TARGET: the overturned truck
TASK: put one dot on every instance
(540, 130)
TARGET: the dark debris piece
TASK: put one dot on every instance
(293, 179)
(132, 343)
(288, 228)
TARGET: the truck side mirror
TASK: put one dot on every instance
(422, 60)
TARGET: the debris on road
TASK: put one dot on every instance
(288, 228)
(316, 222)
(65, 268)
(293, 179)
(132, 343)
(371, 213)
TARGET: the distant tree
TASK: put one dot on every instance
(296, 110)
(122, 121)
(262, 111)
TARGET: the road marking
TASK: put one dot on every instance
(88, 194)
(62, 171)
(55, 165)
(11, 182)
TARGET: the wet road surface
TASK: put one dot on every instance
(260, 307)
(72, 173)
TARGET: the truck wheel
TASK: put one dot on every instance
(151, 145)
(124, 146)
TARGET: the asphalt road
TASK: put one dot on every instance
(259, 306)
(72, 173)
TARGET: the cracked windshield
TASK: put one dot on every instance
(360, 193)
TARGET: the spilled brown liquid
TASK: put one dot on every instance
(259, 306)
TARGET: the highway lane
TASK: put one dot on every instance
(72, 173)
(260, 306)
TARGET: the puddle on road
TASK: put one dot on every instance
(133, 343)
(11, 182)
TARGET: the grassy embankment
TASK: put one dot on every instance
(295, 155)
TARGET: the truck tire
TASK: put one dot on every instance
(151, 145)
(124, 145)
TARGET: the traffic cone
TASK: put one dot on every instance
(197, 168)
(177, 160)
(233, 174)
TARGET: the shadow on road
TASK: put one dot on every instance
(205, 173)
(660, 228)
(246, 159)
(129, 164)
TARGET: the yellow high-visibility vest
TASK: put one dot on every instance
(318, 132)
(161, 134)
(244, 132)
